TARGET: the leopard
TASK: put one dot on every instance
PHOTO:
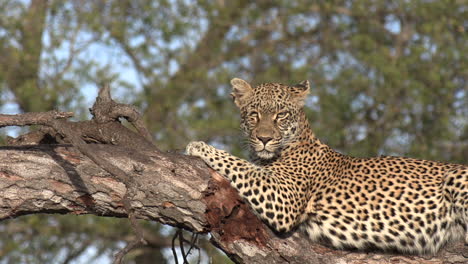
(295, 183)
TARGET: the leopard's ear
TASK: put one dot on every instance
(300, 91)
(241, 90)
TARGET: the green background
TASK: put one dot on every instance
(387, 77)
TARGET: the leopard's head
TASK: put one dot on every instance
(272, 115)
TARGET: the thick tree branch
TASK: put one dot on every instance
(173, 189)
(59, 179)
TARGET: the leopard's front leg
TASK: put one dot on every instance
(257, 185)
(224, 163)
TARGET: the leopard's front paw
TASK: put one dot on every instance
(196, 148)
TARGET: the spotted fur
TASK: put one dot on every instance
(392, 204)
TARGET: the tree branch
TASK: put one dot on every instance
(173, 189)
(32, 118)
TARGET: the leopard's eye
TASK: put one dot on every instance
(252, 117)
(253, 114)
(282, 115)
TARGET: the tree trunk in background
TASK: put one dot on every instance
(22, 64)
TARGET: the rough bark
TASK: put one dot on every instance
(172, 189)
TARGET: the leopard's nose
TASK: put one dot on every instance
(265, 139)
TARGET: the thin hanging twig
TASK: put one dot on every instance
(192, 242)
(174, 253)
(181, 245)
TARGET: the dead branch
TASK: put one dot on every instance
(28, 119)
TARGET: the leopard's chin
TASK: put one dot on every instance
(265, 154)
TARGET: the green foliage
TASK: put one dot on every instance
(41, 239)
(388, 77)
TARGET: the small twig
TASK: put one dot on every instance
(121, 254)
(199, 255)
(179, 234)
(181, 245)
(174, 253)
(192, 242)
